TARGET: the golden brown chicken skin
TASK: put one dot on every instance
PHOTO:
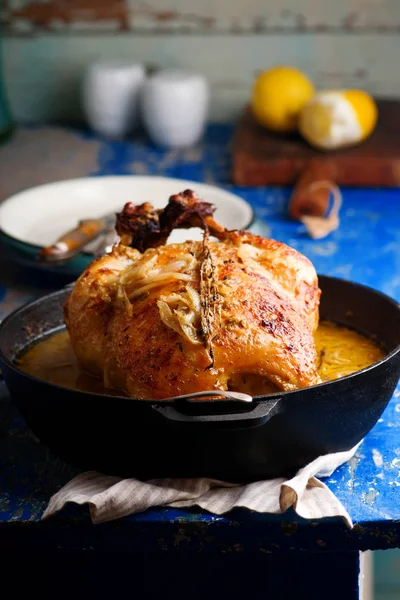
(235, 314)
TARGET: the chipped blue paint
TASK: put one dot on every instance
(366, 249)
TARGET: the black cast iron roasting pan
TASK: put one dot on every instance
(232, 441)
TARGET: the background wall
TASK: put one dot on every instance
(343, 43)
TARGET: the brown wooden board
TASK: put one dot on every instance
(261, 157)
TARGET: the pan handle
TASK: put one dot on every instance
(256, 415)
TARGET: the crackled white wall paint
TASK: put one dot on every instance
(206, 15)
(339, 44)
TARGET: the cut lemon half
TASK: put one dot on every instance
(336, 119)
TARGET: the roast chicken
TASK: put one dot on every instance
(232, 312)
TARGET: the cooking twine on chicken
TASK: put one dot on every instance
(210, 298)
(144, 227)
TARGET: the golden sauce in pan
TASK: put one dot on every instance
(341, 351)
(54, 360)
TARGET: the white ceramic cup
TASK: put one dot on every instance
(110, 96)
(174, 105)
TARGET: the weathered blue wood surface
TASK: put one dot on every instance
(365, 249)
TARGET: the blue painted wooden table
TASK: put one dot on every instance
(189, 553)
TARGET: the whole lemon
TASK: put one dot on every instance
(338, 118)
(278, 97)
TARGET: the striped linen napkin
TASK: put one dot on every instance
(111, 498)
